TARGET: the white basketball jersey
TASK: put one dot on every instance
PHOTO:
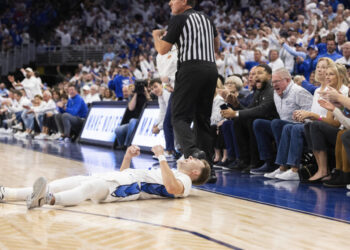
(133, 184)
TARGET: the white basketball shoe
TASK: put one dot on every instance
(37, 198)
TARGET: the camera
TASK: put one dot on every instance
(140, 86)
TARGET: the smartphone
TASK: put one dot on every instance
(223, 106)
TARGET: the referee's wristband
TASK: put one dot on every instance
(161, 158)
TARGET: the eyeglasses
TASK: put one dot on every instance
(277, 82)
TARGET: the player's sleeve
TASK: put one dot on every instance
(174, 29)
(186, 182)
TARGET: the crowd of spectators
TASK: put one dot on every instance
(281, 99)
(25, 20)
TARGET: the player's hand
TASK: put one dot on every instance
(158, 150)
(155, 129)
(132, 151)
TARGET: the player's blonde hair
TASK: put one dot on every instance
(204, 175)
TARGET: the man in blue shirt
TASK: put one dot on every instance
(308, 64)
(121, 80)
(72, 116)
(109, 55)
(3, 90)
(331, 50)
(250, 64)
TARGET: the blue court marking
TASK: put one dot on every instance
(273, 205)
(203, 236)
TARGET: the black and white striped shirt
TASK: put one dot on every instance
(193, 33)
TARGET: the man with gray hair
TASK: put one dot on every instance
(93, 96)
(288, 97)
(346, 54)
(43, 114)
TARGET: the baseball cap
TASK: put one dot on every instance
(264, 39)
(29, 69)
(311, 6)
(312, 46)
(86, 87)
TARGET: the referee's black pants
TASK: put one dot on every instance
(192, 100)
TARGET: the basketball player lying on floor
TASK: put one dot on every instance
(124, 185)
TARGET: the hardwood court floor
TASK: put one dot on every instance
(202, 221)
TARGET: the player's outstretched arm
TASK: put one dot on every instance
(172, 185)
(131, 152)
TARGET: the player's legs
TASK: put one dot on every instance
(21, 194)
(14, 194)
(94, 189)
(68, 183)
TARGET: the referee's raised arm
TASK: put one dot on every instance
(160, 45)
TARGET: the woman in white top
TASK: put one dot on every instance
(321, 135)
(340, 176)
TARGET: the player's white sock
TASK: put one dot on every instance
(16, 194)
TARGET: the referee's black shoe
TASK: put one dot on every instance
(199, 154)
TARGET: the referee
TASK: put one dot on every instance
(197, 41)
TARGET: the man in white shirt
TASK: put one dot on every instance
(265, 48)
(220, 64)
(93, 96)
(65, 37)
(286, 57)
(30, 83)
(167, 67)
(125, 185)
(136, 72)
(163, 100)
(43, 113)
(346, 54)
(17, 107)
(275, 62)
